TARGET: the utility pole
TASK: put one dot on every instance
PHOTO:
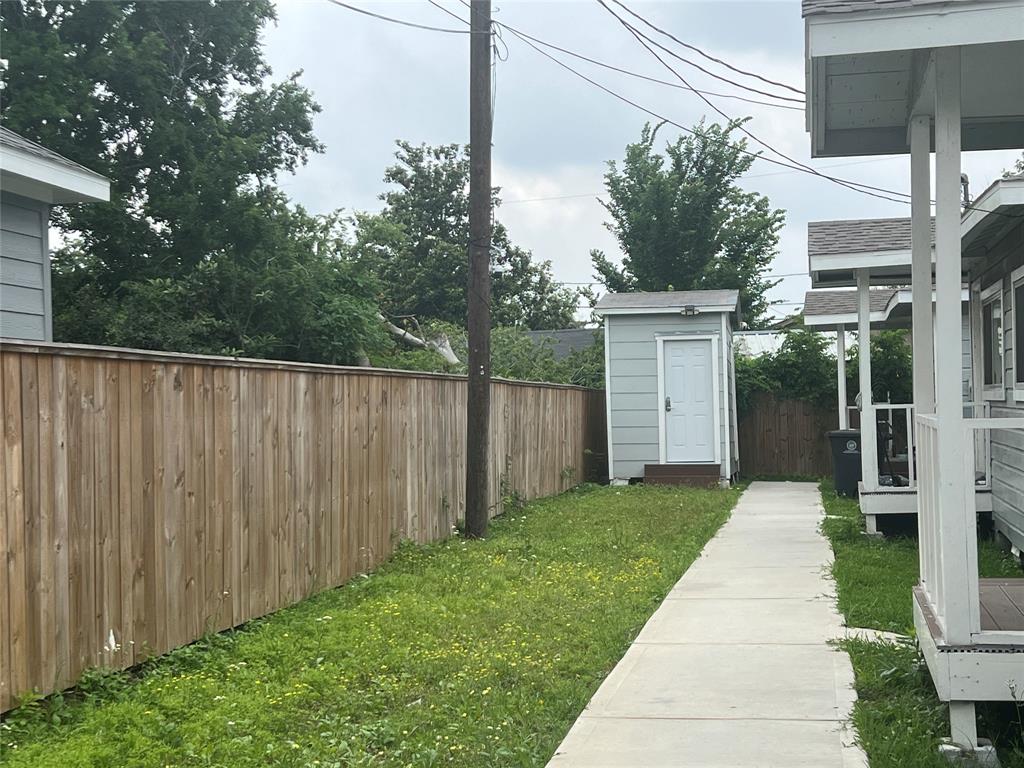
(478, 403)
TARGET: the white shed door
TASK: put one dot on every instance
(689, 401)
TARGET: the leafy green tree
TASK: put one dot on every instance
(293, 294)
(170, 101)
(891, 368)
(417, 245)
(684, 223)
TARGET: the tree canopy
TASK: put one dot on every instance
(684, 223)
(417, 245)
(198, 249)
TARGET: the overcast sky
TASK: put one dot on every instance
(553, 132)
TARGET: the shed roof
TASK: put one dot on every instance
(859, 236)
(565, 341)
(32, 170)
(726, 300)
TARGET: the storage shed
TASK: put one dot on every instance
(671, 386)
(32, 178)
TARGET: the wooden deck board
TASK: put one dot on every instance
(1002, 604)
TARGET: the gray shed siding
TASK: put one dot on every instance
(1007, 445)
(25, 297)
(632, 381)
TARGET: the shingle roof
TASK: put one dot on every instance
(817, 303)
(815, 7)
(10, 139)
(565, 341)
(859, 236)
(669, 299)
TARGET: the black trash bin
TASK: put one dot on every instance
(845, 460)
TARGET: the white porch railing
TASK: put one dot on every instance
(946, 524)
(982, 445)
(900, 418)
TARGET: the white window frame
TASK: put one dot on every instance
(992, 294)
(715, 395)
(1017, 313)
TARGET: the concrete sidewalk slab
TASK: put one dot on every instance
(735, 668)
(744, 621)
(609, 742)
(786, 682)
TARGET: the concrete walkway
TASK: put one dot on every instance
(734, 670)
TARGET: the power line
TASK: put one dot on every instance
(863, 188)
(664, 119)
(621, 70)
(708, 56)
(742, 178)
(400, 21)
(645, 39)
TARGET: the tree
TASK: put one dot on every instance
(417, 246)
(292, 294)
(684, 223)
(1018, 168)
(172, 102)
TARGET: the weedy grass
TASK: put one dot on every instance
(898, 716)
(457, 653)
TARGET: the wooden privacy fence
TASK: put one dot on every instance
(149, 497)
(786, 437)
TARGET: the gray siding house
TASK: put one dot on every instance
(32, 178)
(993, 251)
(670, 385)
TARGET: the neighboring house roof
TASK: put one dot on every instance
(830, 303)
(859, 236)
(889, 308)
(33, 171)
(641, 302)
(815, 7)
(564, 341)
(1000, 209)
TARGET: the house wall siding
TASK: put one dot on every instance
(1007, 445)
(633, 383)
(25, 297)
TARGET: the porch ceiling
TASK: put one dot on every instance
(869, 70)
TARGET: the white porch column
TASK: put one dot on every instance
(844, 421)
(921, 269)
(868, 428)
(956, 510)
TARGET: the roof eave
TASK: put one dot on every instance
(601, 312)
(912, 27)
(35, 177)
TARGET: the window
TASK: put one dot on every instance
(992, 336)
(1017, 304)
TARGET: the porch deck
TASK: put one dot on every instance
(992, 669)
(1002, 604)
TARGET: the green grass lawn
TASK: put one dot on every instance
(457, 654)
(898, 716)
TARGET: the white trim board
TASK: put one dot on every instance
(715, 391)
(608, 399)
(1016, 313)
(49, 181)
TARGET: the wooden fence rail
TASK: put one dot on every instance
(149, 498)
(786, 437)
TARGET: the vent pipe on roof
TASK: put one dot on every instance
(965, 185)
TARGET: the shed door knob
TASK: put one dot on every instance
(668, 403)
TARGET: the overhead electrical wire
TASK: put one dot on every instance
(644, 40)
(707, 56)
(797, 166)
(621, 70)
(403, 22)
